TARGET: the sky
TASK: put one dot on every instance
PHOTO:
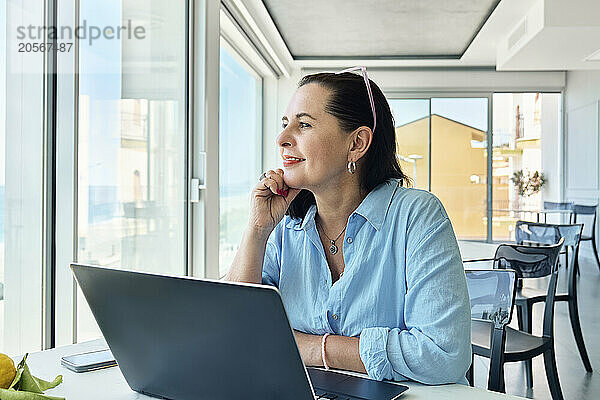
(238, 134)
(104, 90)
(469, 111)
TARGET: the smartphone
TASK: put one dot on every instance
(90, 361)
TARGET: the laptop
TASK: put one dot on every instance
(189, 338)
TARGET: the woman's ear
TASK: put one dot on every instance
(360, 143)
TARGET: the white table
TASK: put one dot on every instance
(109, 383)
(536, 211)
(470, 250)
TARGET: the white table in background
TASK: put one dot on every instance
(536, 211)
(470, 250)
(109, 384)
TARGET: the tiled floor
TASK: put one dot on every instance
(575, 382)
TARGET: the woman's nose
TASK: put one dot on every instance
(285, 138)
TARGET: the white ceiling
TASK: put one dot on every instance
(553, 35)
(378, 29)
(518, 35)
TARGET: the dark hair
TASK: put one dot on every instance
(349, 103)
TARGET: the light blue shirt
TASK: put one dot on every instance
(403, 291)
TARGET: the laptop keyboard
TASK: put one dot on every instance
(338, 386)
(321, 394)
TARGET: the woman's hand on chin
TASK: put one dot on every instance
(270, 199)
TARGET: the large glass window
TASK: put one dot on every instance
(459, 162)
(21, 190)
(2, 159)
(132, 141)
(448, 135)
(526, 142)
(411, 117)
(240, 125)
(452, 133)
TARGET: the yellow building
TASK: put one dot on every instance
(458, 170)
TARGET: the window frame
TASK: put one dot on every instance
(399, 94)
(259, 137)
(429, 95)
(26, 118)
(197, 28)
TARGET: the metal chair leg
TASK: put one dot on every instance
(595, 251)
(576, 259)
(524, 321)
(552, 374)
(470, 378)
(527, 323)
(502, 385)
(519, 316)
(496, 374)
(496, 377)
(575, 323)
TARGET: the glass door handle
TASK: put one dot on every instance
(198, 184)
(195, 188)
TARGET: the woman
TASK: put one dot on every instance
(369, 271)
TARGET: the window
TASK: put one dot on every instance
(2, 161)
(441, 145)
(132, 142)
(526, 139)
(452, 133)
(459, 162)
(411, 117)
(21, 194)
(240, 133)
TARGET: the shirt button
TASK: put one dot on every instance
(335, 316)
(349, 240)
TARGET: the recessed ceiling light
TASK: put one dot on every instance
(595, 56)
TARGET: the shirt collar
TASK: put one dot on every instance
(373, 208)
(307, 222)
(309, 218)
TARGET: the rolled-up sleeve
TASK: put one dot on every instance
(270, 271)
(435, 347)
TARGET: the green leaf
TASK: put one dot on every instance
(45, 385)
(17, 378)
(11, 394)
(27, 383)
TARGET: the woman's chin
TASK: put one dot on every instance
(293, 179)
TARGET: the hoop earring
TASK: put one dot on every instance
(351, 167)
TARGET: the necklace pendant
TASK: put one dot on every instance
(333, 248)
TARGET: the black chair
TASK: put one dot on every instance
(548, 234)
(553, 205)
(528, 262)
(542, 234)
(579, 209)
(492, 294)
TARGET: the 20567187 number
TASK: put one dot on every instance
(29, 47)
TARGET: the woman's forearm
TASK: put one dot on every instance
(341, 352)
(248, 262)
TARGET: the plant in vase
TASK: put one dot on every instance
(528, 183)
